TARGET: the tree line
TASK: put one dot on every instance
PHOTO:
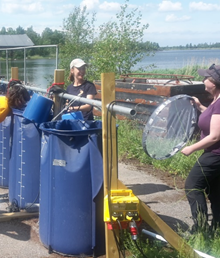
(56, 37)
(50, 37)
(193, 46)
(47, 37)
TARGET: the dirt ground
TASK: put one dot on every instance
(171, 180)
(162, 192)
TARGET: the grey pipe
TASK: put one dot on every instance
(115, 108)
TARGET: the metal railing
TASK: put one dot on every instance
(24, 48)
(115, 108)
(96, 103)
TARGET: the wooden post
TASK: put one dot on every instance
(17, 215)
(109, 152)
(14, 73)
(59, 76)
(59, 79)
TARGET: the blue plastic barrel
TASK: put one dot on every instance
(38, 109)
(5, 135)
(24, 164)
(71, 194)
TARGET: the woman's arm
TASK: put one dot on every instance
(199, 106)
(209, 140)
(84, 107)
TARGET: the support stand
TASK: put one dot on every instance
(108, 95)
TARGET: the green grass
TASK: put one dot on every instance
(205, 240)
(150, 249)
(130, 147)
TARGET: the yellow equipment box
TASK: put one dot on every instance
(122, 204)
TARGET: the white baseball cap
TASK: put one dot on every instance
(77, 63)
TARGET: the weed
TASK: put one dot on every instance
(130, 147)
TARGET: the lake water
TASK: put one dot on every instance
(179, 58)
(40, 72)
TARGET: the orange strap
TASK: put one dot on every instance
(55, 83)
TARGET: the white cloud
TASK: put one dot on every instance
(33, 7)
(10, 7)
(110, 6)
(90, 4)
(169, 6)
(66, 9)
(174, 18)
(11, 1)
(149, 6)
(201, 6)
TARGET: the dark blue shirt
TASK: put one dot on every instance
(87, 88)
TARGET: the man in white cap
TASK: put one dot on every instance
(80, 87)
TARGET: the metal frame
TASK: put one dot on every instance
(96, 103)
(24, 48)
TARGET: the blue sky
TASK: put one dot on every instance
(170, 22)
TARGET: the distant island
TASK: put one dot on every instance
(156, 47)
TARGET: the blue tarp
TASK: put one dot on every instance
(71, 193)
(5, 148)
(24, 165)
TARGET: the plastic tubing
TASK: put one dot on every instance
(146, 232)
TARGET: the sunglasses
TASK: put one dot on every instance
(212, 67)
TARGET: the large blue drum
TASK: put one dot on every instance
(5, 135)
(71, 194)
(24, 166)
